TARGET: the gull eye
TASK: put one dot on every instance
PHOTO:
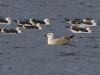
(49, 34)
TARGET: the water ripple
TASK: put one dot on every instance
(4, 5)
(68, 54)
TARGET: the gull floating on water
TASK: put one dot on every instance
(25, 22)
(42, 22)
(5, 21)
(37, 26)
(58, 41)
(89, 22)
(73, 22)
(10, 31)
(74, 29)
(76, 22)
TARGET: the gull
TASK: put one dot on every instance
(89, 22)
(76, 22)
(37, 26)
(58, 41)
(42, 22)
(5, 21)
(81, 23)
(24, 22)
(74, 29)
(72, 22)
(10, 31)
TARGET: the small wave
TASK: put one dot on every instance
(1, 64)
(19, 47)
(7, 42)
(68, 54)
(89, 6)
(91, 37)
(4, 5)
(82, 3)
(93, 46)
(5, 53)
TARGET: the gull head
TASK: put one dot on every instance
(47, 21)
(67, 20)
(49, 35)
(8, 18)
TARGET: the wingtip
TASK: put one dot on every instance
(67, 27)
(66, 19)
(72, 36)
